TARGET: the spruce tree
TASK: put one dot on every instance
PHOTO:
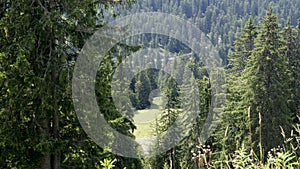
(142, 89)
(166, 134)
(267, 89)
(40, 41)
(292, 52)
(234, 125)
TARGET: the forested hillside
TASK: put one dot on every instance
(220, 20)
(148, 89)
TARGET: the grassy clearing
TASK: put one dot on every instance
(145, 119)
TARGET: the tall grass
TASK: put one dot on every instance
(285, 156)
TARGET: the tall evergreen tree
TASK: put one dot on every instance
(188, 143)
(142, 89)
(243, 45)
(234, 126)
(267, 90)
(292, 52)
(166, 134)
(40, 41)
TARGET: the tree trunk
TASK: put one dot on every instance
(56, 156)
(46, 164)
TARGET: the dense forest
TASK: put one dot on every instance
(153, 90)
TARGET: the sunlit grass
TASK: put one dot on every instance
(145, 119)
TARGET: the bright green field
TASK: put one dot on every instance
(145, 119)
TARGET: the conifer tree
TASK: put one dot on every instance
(292, 52)
(142, 89)
(40, 41)
(234, 127)
(166, 134)
(267, 89)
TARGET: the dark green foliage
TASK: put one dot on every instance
(40, 41)
(142, 90)
(291, 36)
(220, 20)
(180, 155)
(260, 78)
(233, 131)
(167, 118)
(267, 80)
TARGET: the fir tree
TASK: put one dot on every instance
(292, 52)
(267, 89)
(142, 89)
(40, 41)
(234, 127)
